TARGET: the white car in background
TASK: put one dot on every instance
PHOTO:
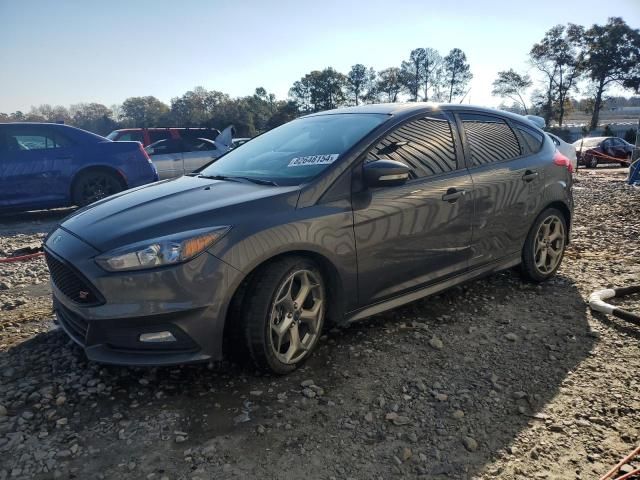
(566, 149)
(563, 147)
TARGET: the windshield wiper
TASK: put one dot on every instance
(259, 181)
(212, 177)
(234, 178)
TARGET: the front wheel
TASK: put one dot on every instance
(544, 247)
(283, 312)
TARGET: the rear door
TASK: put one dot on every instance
(507, 181)
(34, 163)
(413, 234)
(166, 155)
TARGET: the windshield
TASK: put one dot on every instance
(297, 151)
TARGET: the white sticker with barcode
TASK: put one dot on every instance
(313, 160)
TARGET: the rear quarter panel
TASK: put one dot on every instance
(125, 158)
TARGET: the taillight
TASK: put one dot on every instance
(144, 153)
(562, 161)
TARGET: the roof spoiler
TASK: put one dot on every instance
(537, 121)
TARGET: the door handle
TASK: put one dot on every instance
(529, 175)
(453, 194)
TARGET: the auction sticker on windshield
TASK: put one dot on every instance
(313, 160)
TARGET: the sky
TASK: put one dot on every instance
(70, 51)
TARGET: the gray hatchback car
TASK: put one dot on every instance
(334, 217)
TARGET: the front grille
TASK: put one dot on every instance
(71, 283)
(75, 325)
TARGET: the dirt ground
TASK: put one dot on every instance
(493, 379)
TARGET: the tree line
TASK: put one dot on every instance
(196, 108)
(570, 61)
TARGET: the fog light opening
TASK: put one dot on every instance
(157, 337)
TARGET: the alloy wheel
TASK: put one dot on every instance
(296, 316)
(549, 244)
(98, 187)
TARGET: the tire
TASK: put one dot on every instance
(545, 245)
(95, 185)
(590, 161)
(273, 313)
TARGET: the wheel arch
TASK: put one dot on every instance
(97, 168)
(330, 273)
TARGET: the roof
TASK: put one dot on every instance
(411, 107)
(47, 124)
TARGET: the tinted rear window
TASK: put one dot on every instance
(532, 139)
(490, 139)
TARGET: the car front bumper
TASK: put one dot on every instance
(188, 300)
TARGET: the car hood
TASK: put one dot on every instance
(173, 206)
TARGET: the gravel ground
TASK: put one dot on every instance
(493, 379)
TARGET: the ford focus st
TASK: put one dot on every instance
(334, 217)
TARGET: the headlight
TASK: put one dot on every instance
(162, 251)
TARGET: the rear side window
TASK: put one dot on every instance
(164, 147)
(490, 139)
(532, 139)
(425, 146)
(197, 145)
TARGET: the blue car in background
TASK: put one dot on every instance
(47, 165)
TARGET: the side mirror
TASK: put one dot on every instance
(385, 173)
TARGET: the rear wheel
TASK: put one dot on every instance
(283, 310)
(591, 161)
(95, 185)
(544, 247)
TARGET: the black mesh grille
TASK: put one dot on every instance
(74, 325)
(71, 283)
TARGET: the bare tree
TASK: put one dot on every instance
(512, 85)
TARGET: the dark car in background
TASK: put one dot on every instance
(335, 216)
(592, 151)
(147, 136)
(45, 165)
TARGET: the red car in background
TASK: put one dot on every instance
(147, 136)
(592, 151)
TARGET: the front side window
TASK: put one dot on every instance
(297, 151)
(490, 139)
(425, 146)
